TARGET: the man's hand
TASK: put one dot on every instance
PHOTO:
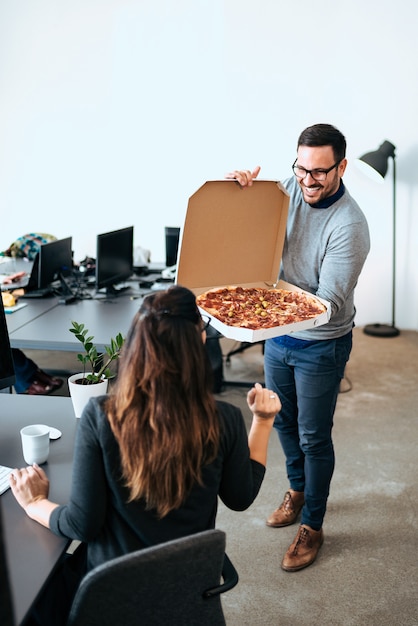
(263, 403)
(244, 177)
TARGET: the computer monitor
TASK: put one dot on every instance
(114, 258)
(172, 235)
(7, 371)
(55, 261)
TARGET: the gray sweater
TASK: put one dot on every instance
(324, 252)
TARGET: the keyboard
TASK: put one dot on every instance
(4, 478)
(46, 292)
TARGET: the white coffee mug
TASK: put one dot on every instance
(35, 443)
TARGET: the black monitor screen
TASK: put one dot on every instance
(55, 260)
(114, 257)
(172, 235)
(7, 372)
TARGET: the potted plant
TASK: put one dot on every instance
(94, 382)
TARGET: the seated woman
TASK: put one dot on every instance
(152, 458)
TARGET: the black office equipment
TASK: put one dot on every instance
(114, 259)
(172, 235)
(53, 263)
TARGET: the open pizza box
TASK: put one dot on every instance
(234, 236)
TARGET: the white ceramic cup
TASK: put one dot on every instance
(35, 443)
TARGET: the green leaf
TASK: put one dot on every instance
(99, 365)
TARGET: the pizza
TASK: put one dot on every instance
(257, 308)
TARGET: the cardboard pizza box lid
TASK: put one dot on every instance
(235, 236)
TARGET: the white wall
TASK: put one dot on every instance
(113, 112)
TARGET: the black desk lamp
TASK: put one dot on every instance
(375, 165)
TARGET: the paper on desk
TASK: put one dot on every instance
(16, 307)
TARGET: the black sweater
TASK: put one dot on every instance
(98, 512)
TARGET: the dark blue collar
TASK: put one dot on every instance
(326, 202)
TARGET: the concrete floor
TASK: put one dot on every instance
(366, 573)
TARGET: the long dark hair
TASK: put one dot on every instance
(162, 410)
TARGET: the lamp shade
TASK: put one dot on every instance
(375, 164)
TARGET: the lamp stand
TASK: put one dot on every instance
(388, 330)
(381, 330)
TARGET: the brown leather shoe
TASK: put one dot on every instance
(288, 511)
(304, 549)
(48, 380)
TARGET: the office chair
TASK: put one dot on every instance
(244, 345)
(176, 583)
(242, 348)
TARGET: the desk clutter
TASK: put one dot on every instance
(10, 303)
(42, 266)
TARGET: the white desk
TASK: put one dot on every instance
(32, 551)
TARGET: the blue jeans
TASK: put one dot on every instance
(25, 370)
(306, 375)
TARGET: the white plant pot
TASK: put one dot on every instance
(80, 394)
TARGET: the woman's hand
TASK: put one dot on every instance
(263, 403)
(29, 485)
(244, 177)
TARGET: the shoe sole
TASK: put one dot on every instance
(271, 525)
(45, 392)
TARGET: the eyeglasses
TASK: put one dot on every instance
(319, 174)
(205, 322)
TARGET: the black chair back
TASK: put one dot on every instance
(176, 583)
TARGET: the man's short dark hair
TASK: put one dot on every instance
(324, 135)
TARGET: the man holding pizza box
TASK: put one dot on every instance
(326, 245)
